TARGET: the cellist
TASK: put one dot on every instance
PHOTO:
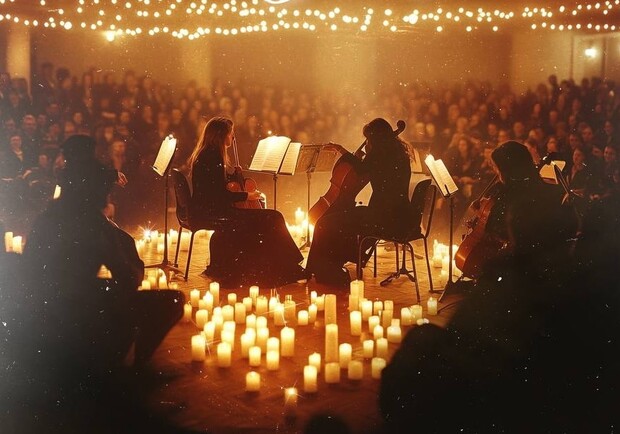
(386, 164)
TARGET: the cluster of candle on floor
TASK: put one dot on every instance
(155, 278)
(13, 243)
(302, 228)
(218, 322)
(154, 240)
(441, 259)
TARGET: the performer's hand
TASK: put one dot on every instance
(255, 195)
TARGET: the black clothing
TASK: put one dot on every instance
(256, 247)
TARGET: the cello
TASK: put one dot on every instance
(345, 183)
(237, 183)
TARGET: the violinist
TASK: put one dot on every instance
(256, 247)
(386, 164)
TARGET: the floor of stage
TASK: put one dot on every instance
(201, 397)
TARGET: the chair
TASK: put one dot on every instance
(183, 196)
(423, 198)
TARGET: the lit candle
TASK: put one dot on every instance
(320, 302)
(232, 298)
(163, 282)
(252, 381)
(354, 302)
(357, 288)
(290, 309)
(273, 360)
(443, 278)
(332, 372)
(198, 348)
(386, 317)
(445, 263)
(437, 261)
(262, 305)
(228, 337)
(261, 322)
(194, 296)
(214, 288)
(250, 321)
(218, 320)
(330, 309)
(373, 321)
(290, 401)
(287, 342)
(273, 302)
(8, 242)
(187, 312)
(254, 355)
(273, 344)
(355, 317)
(313, 297)
(153, 280)
(369, 348)
(382, 348)
(299, 216)
(239, 313)
(431, 306)
(366, 309)
(310, 383)
(388, 305)
(262, 335)
(146, 284)
(278, 314)
(17, 244)
(377, 307)
(416, 311)
(345, 352)
(395, 322)
(247, 302)
(394, 334)
(406, 317)
(331, 343)
(312, 310)
(228, 312)
(209, 331)
(223, 355)
(202, 316)
(356, 370)
(377, 332)
(302, 317)
(253, 293)
(208, 298)
(247, 341)
(377, 366)
(314, 359)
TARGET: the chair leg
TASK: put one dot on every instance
(374, 255)
(358, 266)
(415, 274)
(189, 254)
(176, 255)
(428, 266)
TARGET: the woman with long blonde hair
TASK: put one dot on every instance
(255, 248)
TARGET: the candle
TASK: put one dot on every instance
(354, 302)
(8, 242)
(431, 306)
(232, 298)
(332, 372)
(313, 297)
(377, 332)
(386, 317)
(239, 313)
(395, 322)
(261, 322)
(228, 337)
(273, 302)
(248, 303)
(437, 261)
(198, 348)
(223, 355)
(273, 344)
(146, 284)
(202, 316)
(366, 309)
(253, 293)
(345, 353)
(261, 305)
(194, 296)
(208, 298)
(187, 312)
(388, 305)
(252, 381)
(330, 309)
(356, 370)
(228, 312)
(369, 348)
(287, 341)
(153, 280)
(302, 317)
(355, 318)
(290, 401)
(312, 310)
(310, 383)
(373, 321)
(377, 307)
(250, 321)
(416, 311)
(331, 343)
(406, 317)
(162, 283)
(299, 216)
(314, 359)
(382, 348)
(254, 355)
(376, 367)
(278, 315)
(394, 334)
(445, 263)
(229, 325)
(320, 302)
(262, 335)
(218, 320)
(273, 360)
(214, 288)
(357, 288)
(209, 331)
(443, 278)
(290, 309)
(247, 341)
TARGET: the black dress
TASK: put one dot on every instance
(256, 248)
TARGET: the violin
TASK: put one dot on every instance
(237, 183)
(346, 182)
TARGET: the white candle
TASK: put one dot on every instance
(250, 321)
(382, 348)
(202, 316)
(290, 401)
(431, 306)
(345, 352)
(198, 348)
(232, 298)
(320, 302)
(278, 315)
(366, 309)
(330, 309)
(218, 320)
(187, 312)
(273, 302)
(146, 284)
(332, 372)
(299, 216)
(373, 321)
(261, 322)
(388, 305)
(354, 302)
(312, 310)
(247, 341)
(313, 296)
(229, 325)
(377, 307)
(287, 342)
(314, 359)
(273, 344)
(228, 312)
(247, 302)
(445, 263)
(273, 360)
(17, 244)
(214, 288)
(443, 278)
(310, 383)
(355, 317)
(395, 322)
(262, 335)
(290, 310)
(8, 242)
(209, 331)
(377, 366)
(406, 317)
(302, 318)
(162, 283)
(394, 334)
(239, 313)
(386, 317)
(228, 337)
(437, 261)
(377, 332)
(252, 381)
(331, 343)
(253, 293)
(262, 305)
(208, 298)
(357, 288)
(194, 296)
(369, 348)
(254, 354)
(223, 355)
(356, 370)
(416, 311)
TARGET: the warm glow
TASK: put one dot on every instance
(590, 52)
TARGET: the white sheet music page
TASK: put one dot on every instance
(269, 154)
(289, 163)
(166, 150)
(547, 172)
(442, 177)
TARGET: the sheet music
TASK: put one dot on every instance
(326, 160)
(289, 163)
(269, 154)
(164, 156)
(306, 159)
(547, 172)
(442, 177)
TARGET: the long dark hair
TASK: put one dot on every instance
(213, 136)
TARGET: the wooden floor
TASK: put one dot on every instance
(203, 398)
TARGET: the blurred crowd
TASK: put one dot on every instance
(130, 115)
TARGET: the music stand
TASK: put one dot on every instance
(161, 166)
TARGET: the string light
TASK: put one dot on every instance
(182, 18)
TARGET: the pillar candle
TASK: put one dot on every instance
(254, 355)
(395, 322)
(388, 305)
(382, 348)
(345, 353)
(153, 281)
(366, 309)
(357, 288)
(394, 334)
(330, 309)
(302, 317)
(208, 298)
(248, 303)
(332, 372)
(290, 310)
(187, 312)
(273, 344)
(377, 332)
(373, 321)
(209, 330)
(253, 293)
(194, 296)
(202, 304)
(369, 348)
(299, 216)
(314, 359)
(313, 296)
(8, 242)
(354, 302)
(287, 342)
(406, 317)
(431, 306)
(290, 401)
(273, 302)
(312, 310)
(202, 316)
(228, 312)
(273, 360)
(239, 313)
(250, 321)
(146, 284)
(218, 320)
(331, 343)
(356, 370)
(445, 263)
(252, 381)
(355, 318)
(162, 283)
(198, 348)
(437, 260)
(228, 337)
(261, 305)
(278, 314)
(214, 288)
(416, 311)
(377, 307)
(443, 278)
(223, 355)
(247, 341)
(262, 335)
(310, 383)
(320, 302)
(261, 322)
(386, 317)
(232, 298)
(229, 325)
(377, 366)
